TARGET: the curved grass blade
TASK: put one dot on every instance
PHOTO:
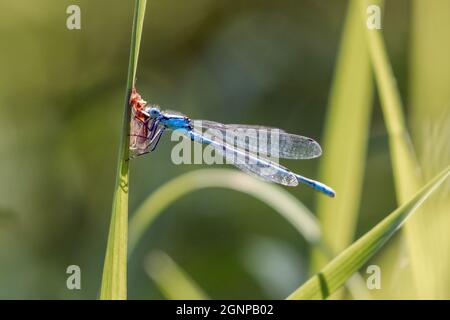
(173, 281)
(274, 196)
(164, 270)
(334, 274)
(114, 279)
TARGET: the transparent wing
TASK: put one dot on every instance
(140, 137)
(155, 140)
(249, 163)
(173, 112)
(269, 173)
(262, 140)
(207, 124)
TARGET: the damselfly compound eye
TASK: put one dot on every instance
(154, 112)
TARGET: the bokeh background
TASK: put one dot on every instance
(61, 104)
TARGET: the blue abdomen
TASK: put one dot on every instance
(176, 123)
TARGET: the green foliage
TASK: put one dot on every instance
(346, 137)
(174, 282)
(428, 98)
(345, 145)
(346, 140)
(272, 195)
(339, 270)
(404, 162)
(114, 281)
(262, 63)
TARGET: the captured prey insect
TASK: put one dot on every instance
(148, 124)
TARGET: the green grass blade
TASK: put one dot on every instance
(405, 166)
(274, 196)
(430, 127)
(334, 274)
(345, 142)
(114, 280)
(404, 162)
(173, 281)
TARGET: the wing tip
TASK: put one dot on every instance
(317, 147)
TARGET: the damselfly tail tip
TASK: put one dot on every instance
(319, 186)
(331, 193)
(325, 189)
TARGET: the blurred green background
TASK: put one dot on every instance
(61, 103)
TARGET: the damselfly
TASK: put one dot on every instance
(148, 124)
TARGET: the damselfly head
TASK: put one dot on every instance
(152, 111)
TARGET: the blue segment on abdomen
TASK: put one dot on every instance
(316, 185)
(176, 123)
